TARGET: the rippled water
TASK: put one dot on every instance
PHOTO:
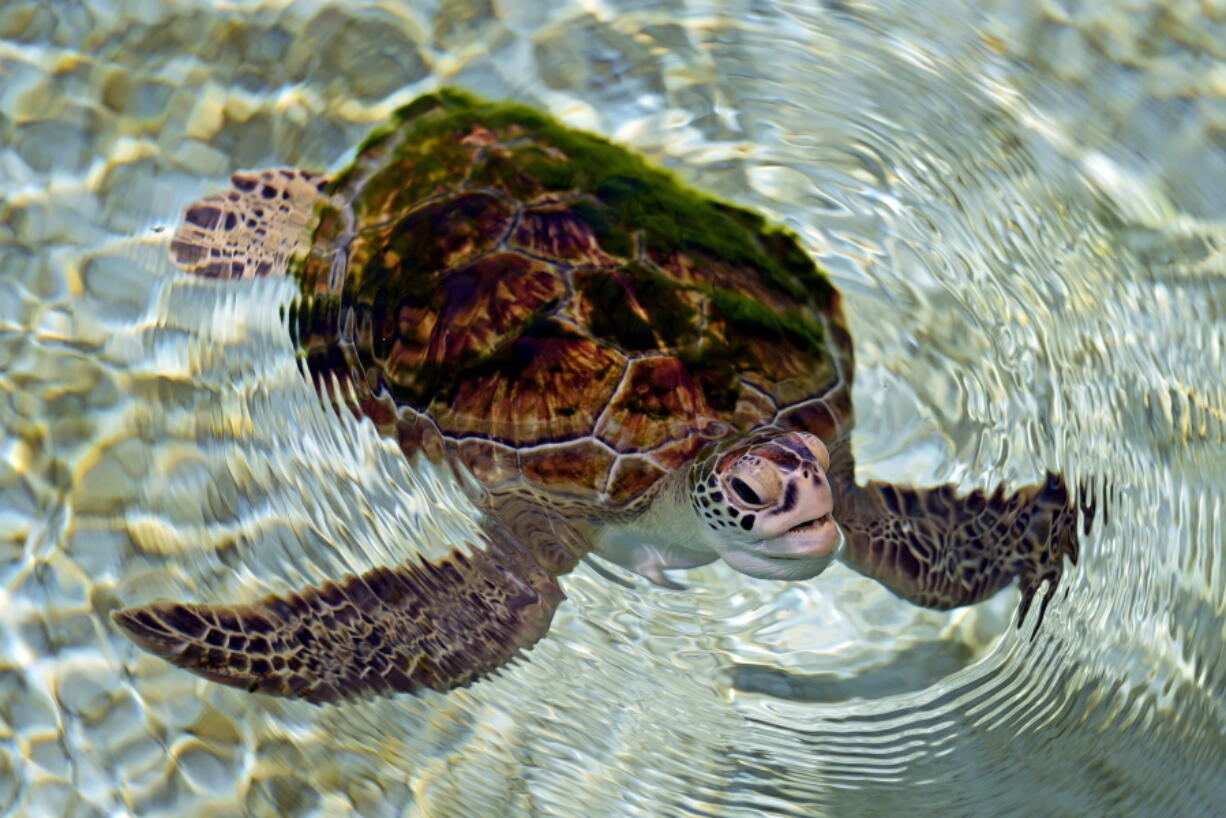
(1023, 203)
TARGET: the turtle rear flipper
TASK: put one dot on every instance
(936, 549)
(251, 230)
(439, 625)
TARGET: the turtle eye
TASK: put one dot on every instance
(744, 491)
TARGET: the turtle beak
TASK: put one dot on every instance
(794, 555)
(811, 539)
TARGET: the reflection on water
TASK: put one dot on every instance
(1022, 204)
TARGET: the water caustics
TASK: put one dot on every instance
(1034, 278)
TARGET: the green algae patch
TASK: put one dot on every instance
(641, 199)
(637, 308)
(613, 236)
(752, 318)
(716, 377)
(614, 317)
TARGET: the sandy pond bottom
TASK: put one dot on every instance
(1022, 204)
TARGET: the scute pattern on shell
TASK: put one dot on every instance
(550, 309)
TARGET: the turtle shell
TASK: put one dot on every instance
(548, 308)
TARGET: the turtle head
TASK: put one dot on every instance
(767, 504)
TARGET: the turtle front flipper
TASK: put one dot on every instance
(936, 549)
(251, 230)
(439, 625)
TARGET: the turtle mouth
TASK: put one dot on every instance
(800, 552)
(815, 538)
(811, 526)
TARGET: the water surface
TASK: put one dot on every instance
(1023, 206)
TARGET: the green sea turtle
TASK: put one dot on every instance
(610, 362)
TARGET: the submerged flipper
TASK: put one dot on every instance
(936, 549)
(439, 625)
(251, 230)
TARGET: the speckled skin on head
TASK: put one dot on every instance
(608, 360)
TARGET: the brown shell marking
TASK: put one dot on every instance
(580, 468)
(657, 401)
(478, 307)
(558, 234)
(403, 182)
(439, 236)
(540, 388)
(632, 477)
(700, 269)
(494, 464)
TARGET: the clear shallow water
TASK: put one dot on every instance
(1023, 206)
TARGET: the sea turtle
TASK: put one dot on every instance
(610, 361)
